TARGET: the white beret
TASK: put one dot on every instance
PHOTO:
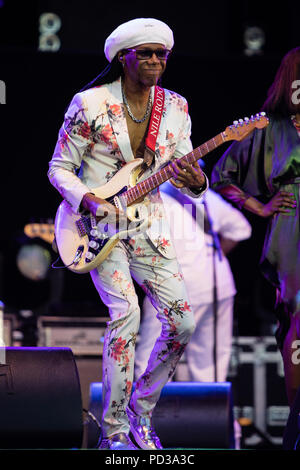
(137, 32)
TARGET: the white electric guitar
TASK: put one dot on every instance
(83, 244)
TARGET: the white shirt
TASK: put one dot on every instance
(194, 248)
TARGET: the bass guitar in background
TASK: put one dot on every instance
(40, 230)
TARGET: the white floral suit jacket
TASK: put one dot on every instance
(93, 144)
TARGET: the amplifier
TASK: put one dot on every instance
(83, 335)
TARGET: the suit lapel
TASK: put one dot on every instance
(117, 120)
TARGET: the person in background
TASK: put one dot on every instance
(261, 174)
(105, 127)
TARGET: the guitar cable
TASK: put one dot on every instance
(76, 259)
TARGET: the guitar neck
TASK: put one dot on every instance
(142, 188)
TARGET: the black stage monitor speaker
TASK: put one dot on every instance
(188, 415)
(40, 399)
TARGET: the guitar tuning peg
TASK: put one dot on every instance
(246, 119)
(241, 122)
(262, 113)
(235, 123)
(252, 118)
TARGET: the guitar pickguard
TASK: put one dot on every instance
(96, 239)
(87, 226)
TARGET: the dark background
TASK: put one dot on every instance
(209, 67)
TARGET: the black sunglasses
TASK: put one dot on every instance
(146, 54)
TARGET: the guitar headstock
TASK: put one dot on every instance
(243, 127)
(43, 231)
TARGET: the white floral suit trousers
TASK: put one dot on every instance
(162, 281)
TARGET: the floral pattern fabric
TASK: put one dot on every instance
(93, 145)
(162, 281)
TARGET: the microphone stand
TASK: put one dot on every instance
(216, 251)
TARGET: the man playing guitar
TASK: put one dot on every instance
(106, 127)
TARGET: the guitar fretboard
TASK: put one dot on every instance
(164, 174)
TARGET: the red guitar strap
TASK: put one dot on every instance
(153, 128)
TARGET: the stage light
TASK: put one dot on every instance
(33, 262)
(49, 25)
(2, 92)
(49, 42)
(254, 40)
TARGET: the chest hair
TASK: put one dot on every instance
(137, 135)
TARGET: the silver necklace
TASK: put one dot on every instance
(149, 105)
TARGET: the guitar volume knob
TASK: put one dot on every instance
(94, 232)
(94, 244)
(89, 256)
